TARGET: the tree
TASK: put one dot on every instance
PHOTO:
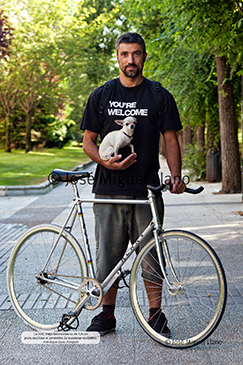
(205, 27)
(35, 58)
(8, 101)
(37, 81)
(96, 26)
(67, 52)
(8, 98)
(219, 28)
(8, 95)
(6, 36)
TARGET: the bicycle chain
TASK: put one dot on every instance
(72, 276)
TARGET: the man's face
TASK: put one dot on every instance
(131, 59)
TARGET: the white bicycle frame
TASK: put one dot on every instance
(154, 226)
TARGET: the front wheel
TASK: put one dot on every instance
(194, 305)
(40, 297)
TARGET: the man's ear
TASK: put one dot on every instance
(119, 122)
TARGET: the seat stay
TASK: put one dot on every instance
(78, 203)
(57, 240)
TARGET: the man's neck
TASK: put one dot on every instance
(130, 81)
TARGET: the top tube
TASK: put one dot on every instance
(113, 201)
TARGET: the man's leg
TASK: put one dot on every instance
(112, 238)
(154, 293)
(157, 319)
(152, 275)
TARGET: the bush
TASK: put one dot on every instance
(195, 162)
(50, 131)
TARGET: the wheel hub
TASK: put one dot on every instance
(176, 289)
(41, 278)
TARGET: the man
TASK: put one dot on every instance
(127, 175)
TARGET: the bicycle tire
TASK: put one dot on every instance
(195, 310)
(38, 303)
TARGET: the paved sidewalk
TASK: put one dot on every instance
(217, 218)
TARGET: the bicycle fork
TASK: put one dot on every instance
(161, 246)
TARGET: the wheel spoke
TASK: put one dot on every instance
(191, 311)
(41, 303)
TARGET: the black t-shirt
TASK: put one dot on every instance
(137, 102)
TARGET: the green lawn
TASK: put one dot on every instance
(20, 168)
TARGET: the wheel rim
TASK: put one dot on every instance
(38, 303)
(195, 310)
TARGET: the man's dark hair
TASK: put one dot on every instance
(130, 38)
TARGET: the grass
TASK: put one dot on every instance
(20, 168)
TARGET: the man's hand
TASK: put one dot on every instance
(91, 149)
(115, 164)
(178, 187)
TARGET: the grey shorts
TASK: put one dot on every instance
(115, 225)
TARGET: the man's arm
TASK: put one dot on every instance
(173, 155)
(91, 149)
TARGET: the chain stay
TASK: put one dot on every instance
(70, 276)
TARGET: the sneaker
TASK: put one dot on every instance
(159, 323)
(102, 324)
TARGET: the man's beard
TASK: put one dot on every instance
(132, 73)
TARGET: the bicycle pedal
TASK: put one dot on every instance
(64, 326)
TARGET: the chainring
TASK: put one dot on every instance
(93, 288)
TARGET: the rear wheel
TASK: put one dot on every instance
(38, 302)
(195, 304)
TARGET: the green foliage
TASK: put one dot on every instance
(17, 130)
(189, 74)
(6, 36)
(195, 162)
(61, 51)
(47, 131)
(184, 39)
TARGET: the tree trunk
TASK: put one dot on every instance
(28, 131)
(8, 134)
(231, 174)
(200, 137)
(187, 138)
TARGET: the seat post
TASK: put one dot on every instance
(75, 189)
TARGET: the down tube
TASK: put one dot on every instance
(111, 278)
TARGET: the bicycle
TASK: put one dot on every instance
(51, 280)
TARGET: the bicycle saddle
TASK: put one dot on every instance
(58, 175)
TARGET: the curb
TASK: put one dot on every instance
(43, 188)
